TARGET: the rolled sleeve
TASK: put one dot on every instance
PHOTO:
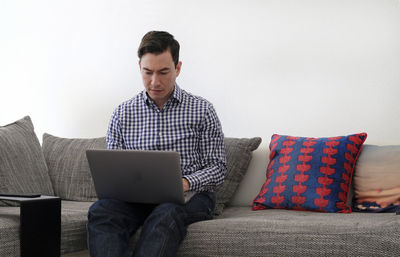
(212, 155)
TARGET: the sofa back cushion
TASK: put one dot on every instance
(70, 174)
(377, 179)
(238, 157)
(68, 167)
(253, 179)
(22, 165)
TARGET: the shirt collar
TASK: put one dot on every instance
(146, 99)
(176, 95)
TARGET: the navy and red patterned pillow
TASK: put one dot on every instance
(310, 174)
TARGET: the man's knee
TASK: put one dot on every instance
(166, 213)
(167, 219)
(107, 209)
(101, 206)
(99, 211)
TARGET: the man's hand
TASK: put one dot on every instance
(186, 185)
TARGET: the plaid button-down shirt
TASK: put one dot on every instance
(186, 124)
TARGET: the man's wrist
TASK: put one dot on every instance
(186, 184)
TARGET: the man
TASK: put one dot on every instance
(162, 117)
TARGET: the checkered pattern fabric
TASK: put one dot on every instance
(186, 124)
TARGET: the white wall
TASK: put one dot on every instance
(300, 67)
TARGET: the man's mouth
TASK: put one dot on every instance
(156, 91)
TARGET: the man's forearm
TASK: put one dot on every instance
(206, 179)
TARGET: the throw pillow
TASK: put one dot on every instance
(238, 157)
(22, 165)
(311, 174)
(377, 179)
(68, 167)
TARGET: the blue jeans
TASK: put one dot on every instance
(111, 224)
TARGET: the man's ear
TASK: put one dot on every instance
(178, 68)
(140, 65)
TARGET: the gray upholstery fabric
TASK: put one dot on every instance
(239, 231)
(83, 253)
(68, 167)
(22, 165)
(9, 231)
(70, 174)
(73, 226)
(238, 157)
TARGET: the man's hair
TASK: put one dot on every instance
(157, 42)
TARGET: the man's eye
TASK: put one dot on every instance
(163, 73)
(148, 73)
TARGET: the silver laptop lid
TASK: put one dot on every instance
(137, 176)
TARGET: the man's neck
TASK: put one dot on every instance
(161, 105)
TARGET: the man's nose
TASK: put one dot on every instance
(155, 80)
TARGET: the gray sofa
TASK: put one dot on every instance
(237, 230)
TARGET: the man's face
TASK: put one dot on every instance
(159, 74)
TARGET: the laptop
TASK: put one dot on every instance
(152, 177)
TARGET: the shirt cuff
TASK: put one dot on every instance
(194, 182)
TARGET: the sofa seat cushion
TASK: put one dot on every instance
(73, 227)
(239, 231)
